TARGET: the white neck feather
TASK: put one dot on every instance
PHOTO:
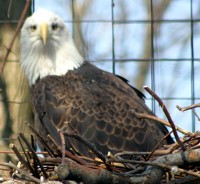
(40, 61)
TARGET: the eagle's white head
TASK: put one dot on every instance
(47, 48)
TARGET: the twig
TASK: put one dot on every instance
(67, 153)
(167, 115)
(54, 145)
(188, 107)
(156, 146)
(21, 159)
(89, 145)
(51, 153)
(24, 173)
(21, 152)
(147, 116)
(34, 155)
(157, 152)
(23, 15)
(62, 145)
(192, 107)
(198, 118)
(27, 155)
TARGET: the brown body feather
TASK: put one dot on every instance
(97, 105)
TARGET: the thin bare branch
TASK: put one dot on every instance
(62, 145)
(160, 102)
(157, 145)
(23, 173)
(89, 145)
(34, 155)
(21, 159)
(188, 107)
(147, 116)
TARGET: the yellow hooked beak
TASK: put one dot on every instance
(44, 32)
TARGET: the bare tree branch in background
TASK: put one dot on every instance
(80, 10)
(159, 8)
(14, 98)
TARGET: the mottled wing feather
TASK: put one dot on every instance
(97, 105)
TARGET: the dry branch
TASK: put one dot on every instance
(160, 102)
(21, 159)
(147, 116)
(23, 173)
(188, 107)
(87, 144)
(62, 145)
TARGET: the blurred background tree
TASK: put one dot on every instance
(15, 103)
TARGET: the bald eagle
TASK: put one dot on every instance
(72, 95)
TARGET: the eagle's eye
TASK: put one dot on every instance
(33, 28)
(54, 26)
